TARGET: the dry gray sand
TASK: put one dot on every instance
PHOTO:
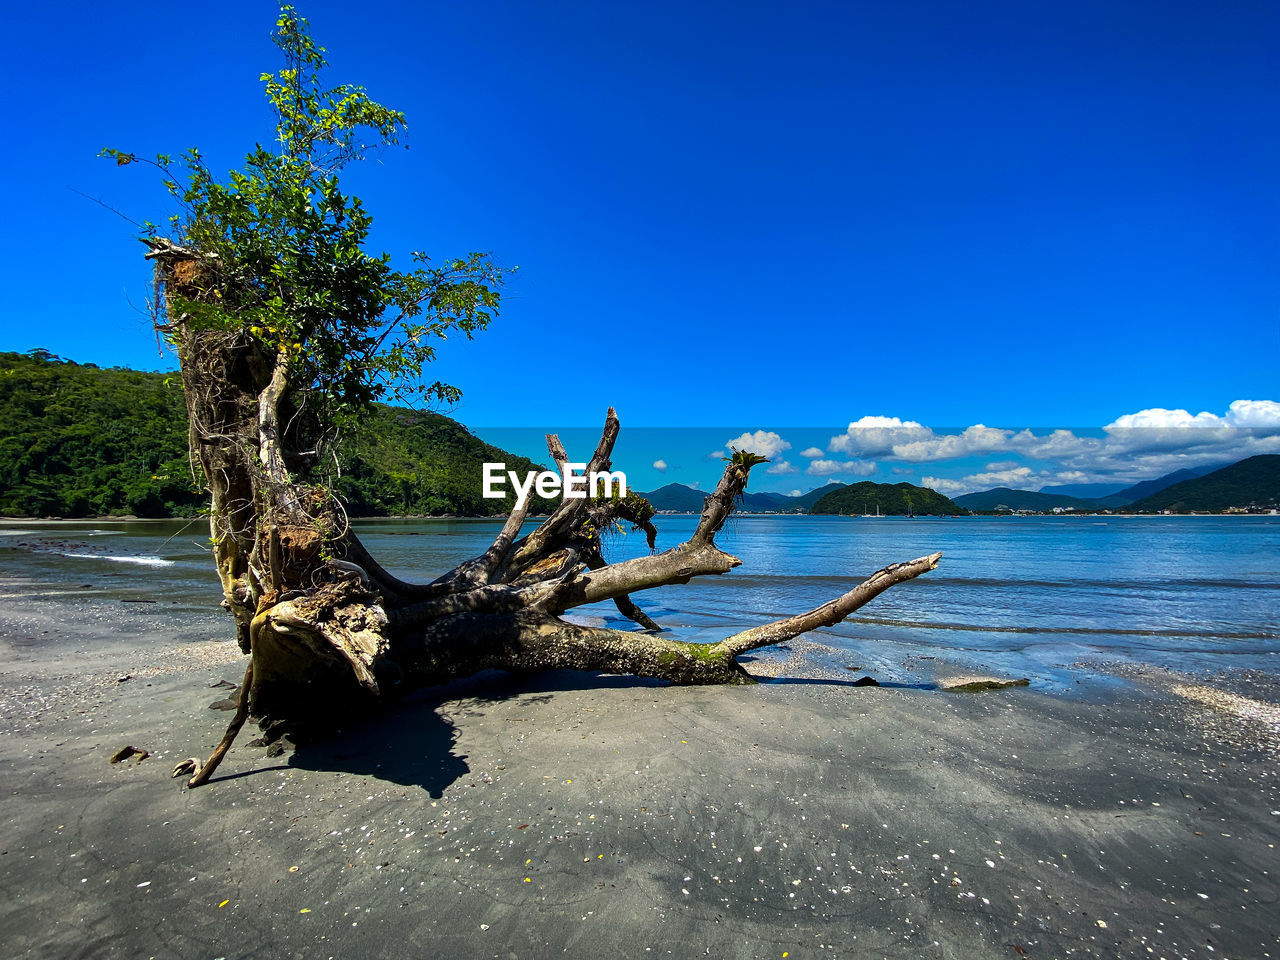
(569, 816)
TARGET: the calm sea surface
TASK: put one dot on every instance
(1029, 595)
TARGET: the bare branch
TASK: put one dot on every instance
(563, 518)
(677, 565)
(720, 502)
(829, 613)
(556, 449)
(626, 606)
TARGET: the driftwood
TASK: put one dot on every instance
(330, 632)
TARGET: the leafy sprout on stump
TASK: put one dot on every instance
(282, 250)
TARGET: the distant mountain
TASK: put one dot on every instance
(1084, 491)
(677, 497)
(1147, 487)
(1003, 498)
(808, 500)
(1251, 482)
(1077, 496)
(889, 498)
(681, 498)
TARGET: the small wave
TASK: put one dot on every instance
(140, 561)
(1118, 583)
(1081, 631)
(934, 580)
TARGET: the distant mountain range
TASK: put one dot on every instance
(1254, 482)
(1084, 491)
(889, 499)
(1003, 498)
(1147, 487)
(1211, 488)
(680, 498)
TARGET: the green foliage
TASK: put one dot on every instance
(413, 462)
(77, 441)
(892, 499)
(285, 249)
(745, 458)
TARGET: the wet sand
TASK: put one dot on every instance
(563, 815)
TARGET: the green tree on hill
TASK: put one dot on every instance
(892, 499)
(78, 441)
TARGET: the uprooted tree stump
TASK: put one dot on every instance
(329, 632)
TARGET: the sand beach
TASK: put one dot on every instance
(568, 815)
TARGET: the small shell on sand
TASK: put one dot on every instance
(1245, 708)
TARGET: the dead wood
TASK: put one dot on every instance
(329, 631)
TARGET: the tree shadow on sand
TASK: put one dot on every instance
(412, 744)
(409, 743)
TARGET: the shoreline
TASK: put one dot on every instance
(565, 814)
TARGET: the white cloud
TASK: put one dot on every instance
(660, 466)
(1249, 414)
(1247, 427)
(811, 452)
(1254, 413)
(1018, 478)
(1157, 440)
(762, 442)
(826, 468)
(1059, 443)
(715, 455)
(944, 486)
(974, 440)
(1116, 460)
(1070, 476)
(876, 436)
(1135, 446)
(794, 493)
(1158, 418)
(782, 466)
(1244, 429)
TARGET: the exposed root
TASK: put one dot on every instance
(190, 765)
(200, 774)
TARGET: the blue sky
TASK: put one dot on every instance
(1009, 214)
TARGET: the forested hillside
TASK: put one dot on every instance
(1252, 483)
(79, 441)
(888, 499)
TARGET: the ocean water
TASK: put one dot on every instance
(1033, 596)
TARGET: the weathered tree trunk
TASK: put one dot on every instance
(329, 631)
